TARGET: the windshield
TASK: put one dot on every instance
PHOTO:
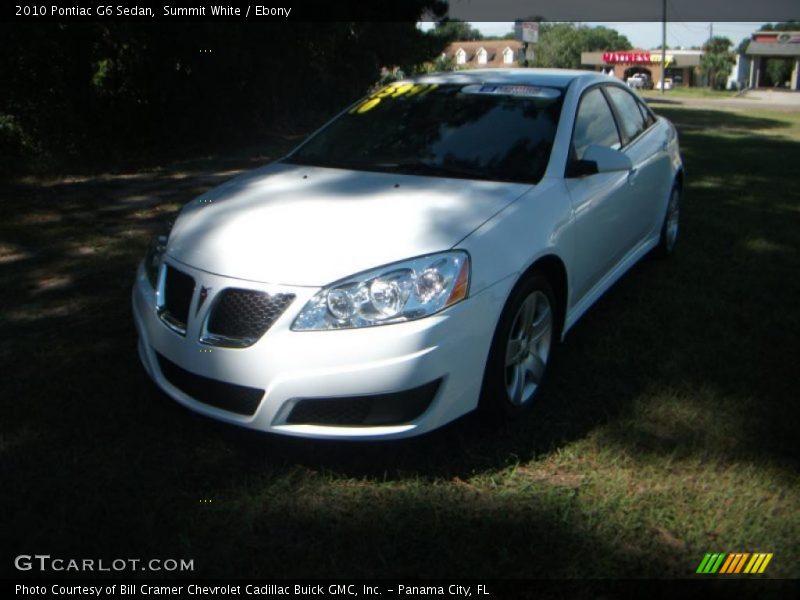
(498, 133)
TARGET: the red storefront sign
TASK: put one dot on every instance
(627, 57)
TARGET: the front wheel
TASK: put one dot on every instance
(521, 349)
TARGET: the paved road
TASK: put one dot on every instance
(763, 99)
(782, 98)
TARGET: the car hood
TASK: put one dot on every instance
(310, 226)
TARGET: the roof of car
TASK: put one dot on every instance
(540, 77)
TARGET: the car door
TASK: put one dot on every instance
(645, 144)
(601, 202)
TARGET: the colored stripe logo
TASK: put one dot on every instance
(734, 563)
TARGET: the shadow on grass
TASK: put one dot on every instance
(690, 358)
(711, 123)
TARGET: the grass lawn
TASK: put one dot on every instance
(668, 427)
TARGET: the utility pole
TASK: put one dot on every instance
(663, 43)
(710, 31)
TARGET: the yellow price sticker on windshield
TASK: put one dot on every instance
(395, 90)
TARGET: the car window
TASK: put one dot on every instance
(631, 120)
(649, 117)
(496, 133)
(594, 124)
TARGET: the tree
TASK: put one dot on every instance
(561, 44)
(438, 65)
(742, 47)
(778, 70)
(506, 36)
(80, 92)
(784, 26)
(453, 29)
(717, 61)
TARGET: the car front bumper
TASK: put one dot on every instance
(442, 356)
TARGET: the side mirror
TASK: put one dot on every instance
(608, 159)
(599, 159)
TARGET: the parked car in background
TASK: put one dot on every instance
(667, 84)
(640, 81)
(418, 257)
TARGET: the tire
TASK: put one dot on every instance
(670, 228)
(522, 348)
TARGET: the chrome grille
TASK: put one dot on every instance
(176, 297)
(238, 318)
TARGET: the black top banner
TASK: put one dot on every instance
(409, 10)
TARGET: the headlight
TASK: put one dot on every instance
(155, 254)
(398, 292)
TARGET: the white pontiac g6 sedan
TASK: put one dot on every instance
(416, 258)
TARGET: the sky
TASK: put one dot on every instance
(648, 35)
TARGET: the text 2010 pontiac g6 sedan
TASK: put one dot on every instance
(414, 259)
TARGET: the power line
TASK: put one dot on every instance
(692, 27)
(675, 37)
(675, 11)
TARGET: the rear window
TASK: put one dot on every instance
(594, 124)
(631, 119)
(649, 117)
(499, 133)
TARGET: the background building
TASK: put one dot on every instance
(776, 46)
(485, 53)
(771, 59)
(681, 65)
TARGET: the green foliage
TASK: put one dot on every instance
(453, 29)
(783, 26)
(14, 148)
(742, 47)
(98, 91)
(442, 63)
(717, 45)
(506, 36)
(778, 70)
(717, 61)
(561, 44)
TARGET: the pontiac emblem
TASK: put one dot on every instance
(201, 298)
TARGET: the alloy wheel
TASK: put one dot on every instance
(673, 218)
(528, 348)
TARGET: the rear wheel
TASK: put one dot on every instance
(671, 225)
(522, 348)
